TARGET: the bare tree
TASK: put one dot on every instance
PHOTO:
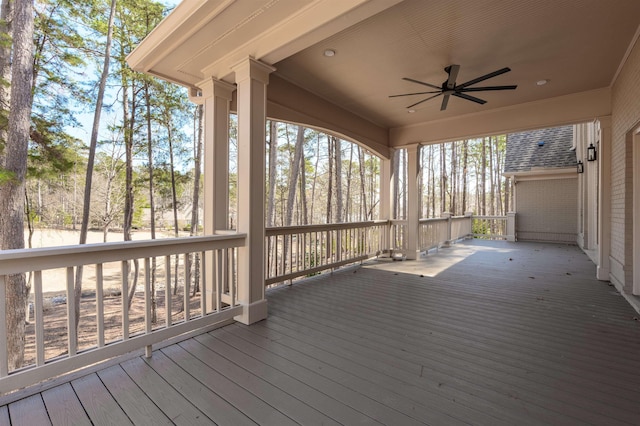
(195, 209)
(84, 227)
(337, 145)
(12, 188)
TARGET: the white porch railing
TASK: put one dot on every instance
(297, 251)
(433, 233)
(492, 228)
(213, 305)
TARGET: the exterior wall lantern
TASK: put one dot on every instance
(591, 153)
(580, 167)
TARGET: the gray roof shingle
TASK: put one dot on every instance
(549, 148)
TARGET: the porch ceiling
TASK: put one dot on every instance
(577, 45)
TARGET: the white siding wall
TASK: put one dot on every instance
(547, 210)
(625, 116)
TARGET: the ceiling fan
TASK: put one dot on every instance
(449, 87)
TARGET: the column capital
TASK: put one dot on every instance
(214, 87)
(250, 68)
(605, 121)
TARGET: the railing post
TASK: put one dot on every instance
(447, 241)
(511, 226)
(470, 223)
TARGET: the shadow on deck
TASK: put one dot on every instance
(485, 333)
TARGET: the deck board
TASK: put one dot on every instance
(292, 377)
(285, 403)
(99, 404)
(139, 407)
(482, 333)
(64, 407)
(29, 411)
(180, 410)
(210, 403)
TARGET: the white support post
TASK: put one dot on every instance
(511, 226)
(251, 78)
(413, 201)
(604, 204)
(386, 180)
(217, 99)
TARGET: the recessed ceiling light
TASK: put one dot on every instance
(329, 53)
(411, 111)
(542, 82)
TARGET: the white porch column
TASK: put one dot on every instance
(413, 201)
(604, 205)
(386, 182)
(217, 96)
(252, 78)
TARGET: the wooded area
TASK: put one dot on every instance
(140, 167)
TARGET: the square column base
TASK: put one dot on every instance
(253, 313)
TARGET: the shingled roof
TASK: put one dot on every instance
(548, 148)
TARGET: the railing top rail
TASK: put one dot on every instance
(321, 227)
(489, 217)
(433, 219)
(25, 260)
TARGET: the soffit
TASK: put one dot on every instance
(576, 44)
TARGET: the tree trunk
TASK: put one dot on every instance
(6, 18)
(12, 190)
(174, 200)
(483, 182)
(330, 141)
(338, 164)
(273, 159)
(84, 228)
(362, 166)
(315, 178)
(492, 188)
(465, 163)
(454, 178)
(295, 172)
(152, 202)
(303, 188)
(443, 179)
(196, 192)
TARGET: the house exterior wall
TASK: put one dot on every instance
(547, 210)
(625, 117)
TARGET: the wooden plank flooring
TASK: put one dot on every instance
(482, 333)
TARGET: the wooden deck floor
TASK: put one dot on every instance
(480, 333)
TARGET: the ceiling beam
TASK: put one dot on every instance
(558, 111)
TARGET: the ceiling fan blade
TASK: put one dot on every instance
(480, 89)
(415, 93)
(445, 101)
(484, 77)
(452, 70)
(422, 82)
(424, 100)
(470, 98)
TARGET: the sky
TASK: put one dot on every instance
(107, 117)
